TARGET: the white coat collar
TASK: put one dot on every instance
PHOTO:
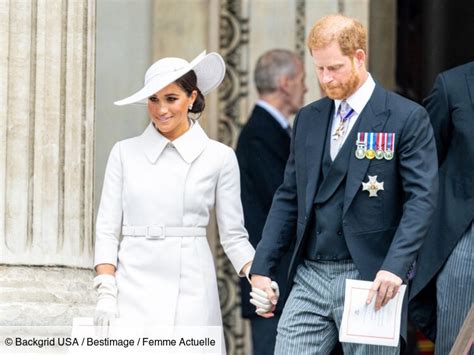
(190, 145)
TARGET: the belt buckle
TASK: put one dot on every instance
(155, 232)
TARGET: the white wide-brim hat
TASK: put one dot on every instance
(209, 69)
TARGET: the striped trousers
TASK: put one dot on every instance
(454, 292)
(312, 315)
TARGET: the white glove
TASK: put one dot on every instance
(106, 309)
(259, 298)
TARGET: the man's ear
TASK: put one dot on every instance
(360, 58)
(283, 83)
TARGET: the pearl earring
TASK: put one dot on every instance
(190, 107)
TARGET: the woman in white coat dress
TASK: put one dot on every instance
(152, 258)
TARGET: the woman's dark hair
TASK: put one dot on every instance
(188, 82)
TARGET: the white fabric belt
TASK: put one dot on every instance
(161, 232)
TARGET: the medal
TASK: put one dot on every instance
(360, 151)
(379, 153)
(372, 186)
(389, 146)
(370, 153)
(343, 117)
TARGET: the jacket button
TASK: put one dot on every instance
(339, 232)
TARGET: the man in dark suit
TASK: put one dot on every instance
(357, 198)
(446, 261)
(262, 152)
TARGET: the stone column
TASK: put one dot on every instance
(47, 51)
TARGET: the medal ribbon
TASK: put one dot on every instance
(347, 115)
(379, 141)
(371, 140)
(390, 142)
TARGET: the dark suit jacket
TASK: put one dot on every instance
(385, 232)
(262, 151)
(451, 109)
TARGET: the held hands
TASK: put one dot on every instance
(264, 295)
(385, 286)
(261, 301)
(106, 309)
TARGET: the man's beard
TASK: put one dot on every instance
(343, 91)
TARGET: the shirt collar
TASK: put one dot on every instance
(359, 99)
(190, 145)
(277, 115)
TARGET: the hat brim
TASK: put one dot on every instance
(209, 69)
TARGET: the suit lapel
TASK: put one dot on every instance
(314, 146)
(372, 119)
(338, 168)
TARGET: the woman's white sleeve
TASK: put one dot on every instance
(109, 217)
(229, 213)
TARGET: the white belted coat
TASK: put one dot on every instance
(152, 184)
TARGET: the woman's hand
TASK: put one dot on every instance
(106, 310)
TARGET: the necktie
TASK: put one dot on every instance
(344, 113)
(288, 130)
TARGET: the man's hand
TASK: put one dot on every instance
(264, 295)
(386, 287)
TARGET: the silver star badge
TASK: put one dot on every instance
(373, 186)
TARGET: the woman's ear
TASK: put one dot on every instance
(193, 96)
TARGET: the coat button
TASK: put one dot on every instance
(339, 232)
